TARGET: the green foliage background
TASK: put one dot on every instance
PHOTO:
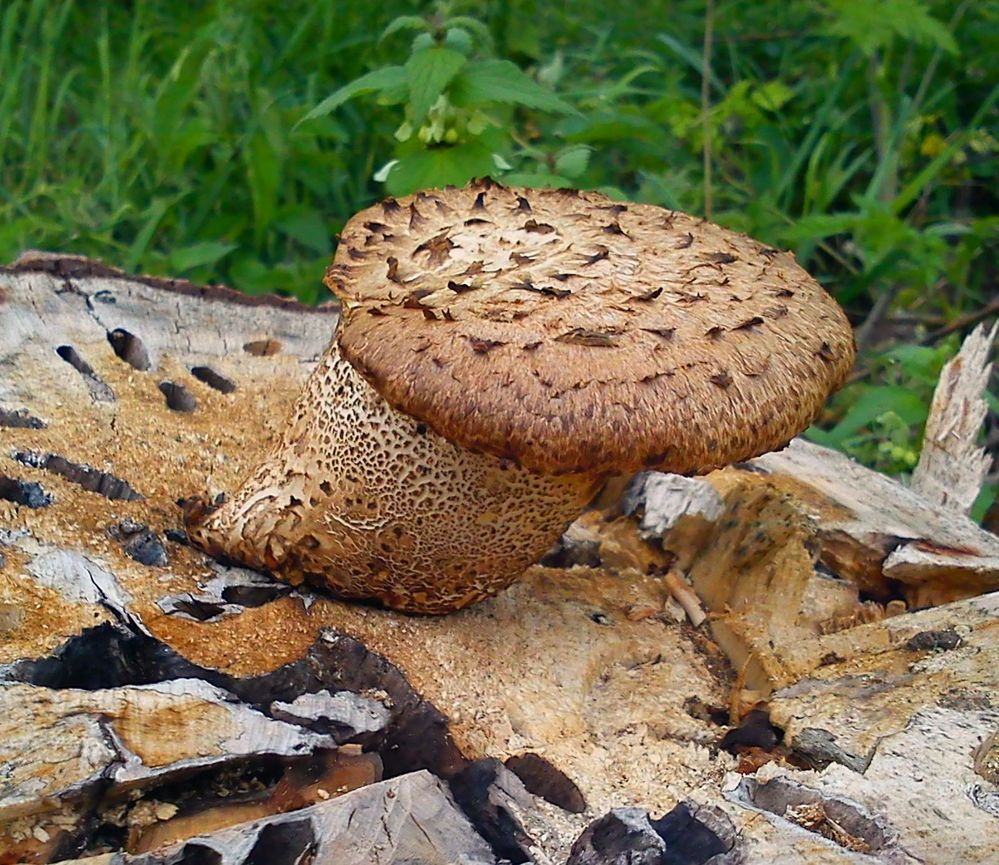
(229, 142)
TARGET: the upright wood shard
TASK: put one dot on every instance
(952, 466)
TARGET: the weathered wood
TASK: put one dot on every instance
(874, 530)
(398, 822)
(952, 466)
(575, 664)
(582, 663)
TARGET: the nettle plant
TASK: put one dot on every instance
(459, 102)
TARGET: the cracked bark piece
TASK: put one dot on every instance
(61, 744)
(407, 819)
(687, 835)
(873, 529)
(345, 714)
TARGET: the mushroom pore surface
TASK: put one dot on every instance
(373, 504)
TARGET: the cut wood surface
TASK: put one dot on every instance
(121, 395)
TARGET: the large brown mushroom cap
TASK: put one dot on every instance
(571, 333)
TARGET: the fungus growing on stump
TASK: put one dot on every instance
(500, 353)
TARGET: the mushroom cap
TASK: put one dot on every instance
(571, 333)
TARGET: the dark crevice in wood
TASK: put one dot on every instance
(26, 493)
(471, 789)
(543, 779)
(213, 379)
(254, 596)
(197, 854)
(129, 348)
(283, 844)
(19, 419)
(99, 389)
(689, 839)
(178, 397)
(91, 479)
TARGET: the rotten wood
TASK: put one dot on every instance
(952, 466)
(106, 614)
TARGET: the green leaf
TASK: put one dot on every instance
(403, 22)
(572, 161)
(502, 81)
(820, 225)
(379, 79)
(871, 26)
(460, 40)
(439, 166)
(914, 188)
(473, 25)
(876, 401)
(772, 96)
(306, 226)
(429, 72)
(199, 254)
(263, 173)
(692, 57)
(155, 213)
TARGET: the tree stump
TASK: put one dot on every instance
(161, 706)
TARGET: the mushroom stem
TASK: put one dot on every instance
(376, 505)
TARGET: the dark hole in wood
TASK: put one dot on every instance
(549, 782)
(99, 390)
(107, 656)
(254, 596)
(201, 611)
(689, 841)
(129, 348)
(291, 843)
(262, 347)
(213, 379)
(754, 731)
(72, 357)
(19, 419)
(26, 493)
(89, 478)
(198, 854)
(178, 397)
(471, 790)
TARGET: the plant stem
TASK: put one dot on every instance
(709, 26)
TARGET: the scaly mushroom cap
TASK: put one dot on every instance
(571, 333)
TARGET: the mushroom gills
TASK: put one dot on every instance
(375, 505)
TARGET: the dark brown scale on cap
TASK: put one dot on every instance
(665, 332)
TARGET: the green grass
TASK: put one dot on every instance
(170, 138)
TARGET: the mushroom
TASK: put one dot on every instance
(501, 353)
